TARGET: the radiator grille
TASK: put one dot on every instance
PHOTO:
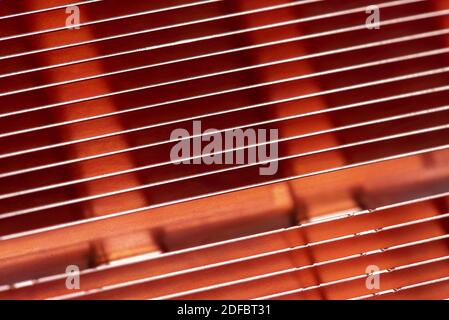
(87, 179)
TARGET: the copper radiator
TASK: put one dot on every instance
(88, 188)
